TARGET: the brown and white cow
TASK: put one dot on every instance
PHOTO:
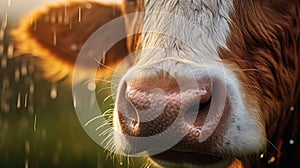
(234, 61)
(257, 42)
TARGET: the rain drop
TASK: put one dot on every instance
(262, 155)
(54, 38)
(292, 142)
(74, 47)
(4, 23)
(70, 25)
(91, 86)
(4, 63)
(27, 147)
(26, 163)
(25, 100)
(79, 14)
(34, 123)
(66, 20)
(292, 108)
(9, 3)
(53, 92)
(2, 32)
(24, 70)
(88, 6)
(271, 160)
(34, 25)
(52, 19)
(19, 100)
(31, 88)
(17, 75)
(74, 100)
(66, 10)
(60, 18)
(10, 51)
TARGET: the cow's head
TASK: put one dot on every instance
(218, 74)
(211, 81)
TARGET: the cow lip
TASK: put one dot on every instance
(182, 157)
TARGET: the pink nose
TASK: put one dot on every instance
(149, 106)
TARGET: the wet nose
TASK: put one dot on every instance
(149, 105)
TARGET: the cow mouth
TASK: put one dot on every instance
(193, 158)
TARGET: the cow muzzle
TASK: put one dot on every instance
(163, 110)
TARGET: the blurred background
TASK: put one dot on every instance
(38, 123)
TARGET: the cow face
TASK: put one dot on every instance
(208, 72)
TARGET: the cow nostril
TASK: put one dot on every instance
(196, 114)
(126, 109)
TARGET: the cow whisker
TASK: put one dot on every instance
(269, 142)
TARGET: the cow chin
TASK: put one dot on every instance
(238, 132)
(199, 161)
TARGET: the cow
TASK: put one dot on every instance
(215, 82)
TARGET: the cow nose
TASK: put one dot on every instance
(148, 106)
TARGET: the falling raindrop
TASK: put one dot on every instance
(4, 23)
(271, 160)
(103, 57)
(27, 147)
(24, 69)
(66, 20)
(292, 108)
(4, 63)
(26, 163)
(60, 18)
(70, 24)
(9, 3)
(25, 100)
(54, 38)
(19, 100)
(31, 88)
(292, 142)
(74, 100)
(88, 6)
(79, 14)
(262, 155)
(17, 75)
(65, 10)
(52, 19)
(10, 51)
(53, 92)
(34, 25)
(74, 47)
(2, 32)
(34, 123)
